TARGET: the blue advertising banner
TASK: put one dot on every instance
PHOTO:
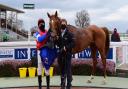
(110, 54)
(33, 52)
(6, 53)
(87, 54)
(21, 53)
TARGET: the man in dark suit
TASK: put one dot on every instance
(66, 43)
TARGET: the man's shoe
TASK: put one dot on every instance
(68, 87)
(62, 83)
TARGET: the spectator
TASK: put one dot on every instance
(5, 37)
(115, 36)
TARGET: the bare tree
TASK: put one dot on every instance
(82, 19)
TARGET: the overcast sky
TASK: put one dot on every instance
(109, 13)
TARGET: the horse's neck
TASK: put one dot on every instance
(81, 38)
(76, 30)
(72, 27)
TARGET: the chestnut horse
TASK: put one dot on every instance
(93, 36)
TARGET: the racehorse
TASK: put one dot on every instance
(93, 36)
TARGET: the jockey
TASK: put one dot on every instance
(47, 54)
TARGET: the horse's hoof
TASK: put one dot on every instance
(89, 81)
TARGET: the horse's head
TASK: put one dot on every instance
(54, 23)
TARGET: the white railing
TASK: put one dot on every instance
(123, 36)
(120, 50)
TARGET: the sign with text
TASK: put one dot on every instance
(87, 54)
(28, 6)
(21, 53)
(6, 53)
(33, 52)
(24, 53)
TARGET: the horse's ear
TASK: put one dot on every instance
(56, 14)
(48, 15)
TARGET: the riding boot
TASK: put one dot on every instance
(48, 81)
(62, 82)
(69, 85)
(40, 81)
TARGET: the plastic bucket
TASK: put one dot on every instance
(43, 72)
(51, 71)
(32, 71)
(22, 72)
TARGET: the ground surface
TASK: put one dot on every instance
(57, 88)
(79, 82)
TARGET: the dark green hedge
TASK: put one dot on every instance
(9, 68)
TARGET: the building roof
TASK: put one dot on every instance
(8, 8)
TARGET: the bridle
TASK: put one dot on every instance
(55, 33)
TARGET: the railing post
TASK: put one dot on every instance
(124, 54)
(114, 54)
(127, 54)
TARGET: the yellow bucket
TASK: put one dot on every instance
(22, 72)
(32, 71)
(42, 72)
(51, 71)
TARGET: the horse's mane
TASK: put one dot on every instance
(73, 27)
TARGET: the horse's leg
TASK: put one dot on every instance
(93, 54)
(103, 58)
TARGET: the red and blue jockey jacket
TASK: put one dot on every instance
(40, 43)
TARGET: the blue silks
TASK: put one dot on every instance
(48, 56)
(38, 37)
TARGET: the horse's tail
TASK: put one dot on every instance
(107, 43)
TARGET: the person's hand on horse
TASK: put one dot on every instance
(48, 33)
(57, 37)
(53, 34)
(64, 48)
(36, 34)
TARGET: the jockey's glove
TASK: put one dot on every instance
(36, 35)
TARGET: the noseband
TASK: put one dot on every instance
(55, 34)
